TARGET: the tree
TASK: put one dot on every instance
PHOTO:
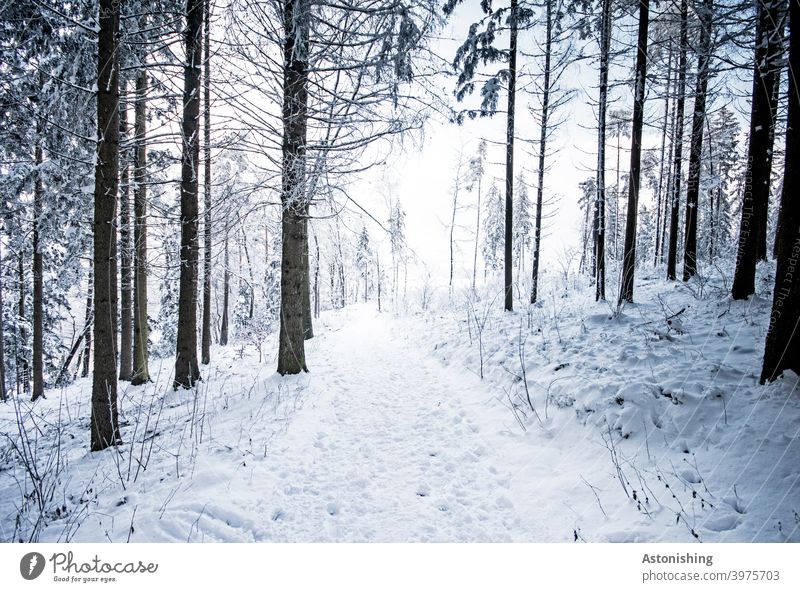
(782, 347)
(493, 228)
(141, 372)
(675, 197)
(478, 48)
(522, 222)
(600, 203)
(205, 356)
(629, 254)
(104, 420)
(296, 23)
(477, 168)
(752, 231)
(187, 371)
(125, 250)
(363, 255)
(696, 149)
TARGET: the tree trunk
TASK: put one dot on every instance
(677, 155)
(537, 232)
(659, 194)
(226, 288)
(126, 255)
(782, 348)
(308, 319)
(3, 391)
(87, 344)
(696, 148)
(629, 254)
(141, 371)
(768, 56)
(600, 202)
(205, 347)
(104, 421)
(38, 324)
(296, 22)
(512, 85)
(477, 238)
(187, 371)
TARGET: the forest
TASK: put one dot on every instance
(399, 270)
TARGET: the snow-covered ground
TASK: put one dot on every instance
(635, 431)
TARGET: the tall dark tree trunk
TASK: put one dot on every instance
(141, 371)
(602, 108)
(537, 229)
(38, 297)
(677, 155)
(126, 253)
(187, 371)
(291, 351)
(629, 254)
(205, 346)
(659, 193)
(104, 421)
(512, 87)
(696, 147)
(768, 58)
(782, 348)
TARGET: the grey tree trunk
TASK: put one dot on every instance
(291, 349)
(629, 254)
(537, 232)
(126, 255)
(600, 203)
(141, 371)
(696, 146)
(3, 392)
(104, 420)
(659, 193)
(512, 86)
(677, 155)
(205, 346)
(88, 317)
(226, 287)
(187, 371)
(38, 327)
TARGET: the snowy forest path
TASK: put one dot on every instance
(388, 447)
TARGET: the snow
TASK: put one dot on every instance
(641, 432)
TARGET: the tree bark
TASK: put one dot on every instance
(512, 86)
(104, 420)
(38, 324)
(768, 56)
(126, 255)
(659, 193)
(782, 348)
(537, 232)
(141, 371)
(629, 254)
(3, 391)
(600, 202)
(226, 287)
(677, 155)
(696, 147)
(187, 371)
(205, 346)
(291, 350)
